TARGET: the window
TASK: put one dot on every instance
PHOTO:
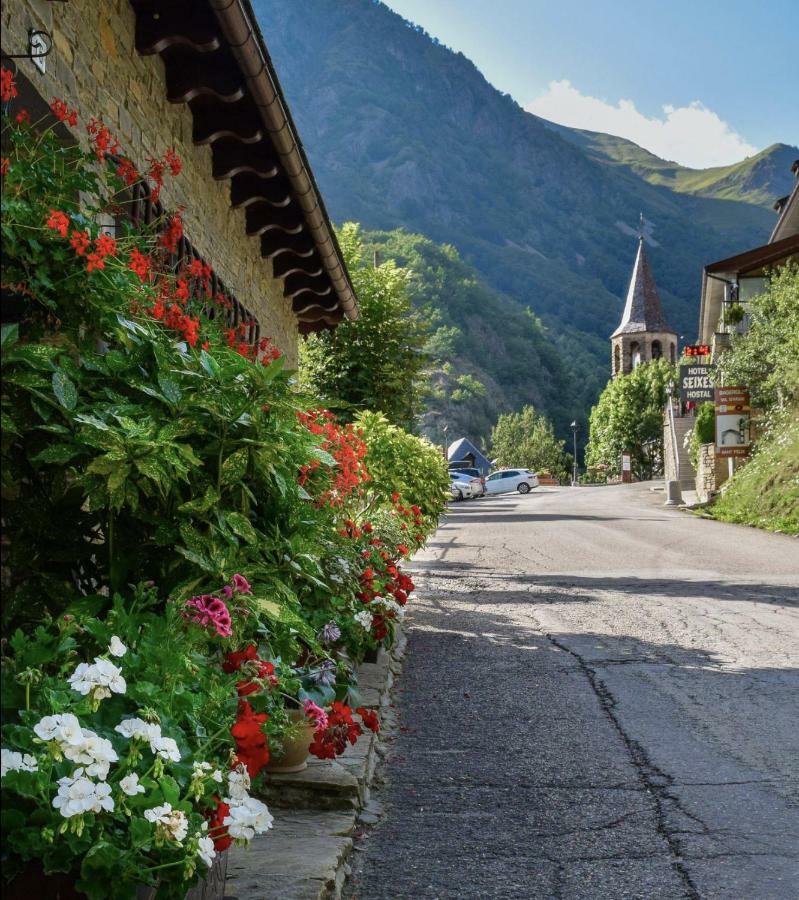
(510, 474)
(657, 350)
(616, 360)
(673, 351)
(635, 354)
(495, 477)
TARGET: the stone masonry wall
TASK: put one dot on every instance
(94, 67)
(711, 472)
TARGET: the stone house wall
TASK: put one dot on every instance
(94, 66)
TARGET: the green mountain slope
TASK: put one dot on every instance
(758, 179)
(402, 132)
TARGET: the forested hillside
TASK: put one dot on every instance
(402, 132)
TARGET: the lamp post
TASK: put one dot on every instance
(574, 466)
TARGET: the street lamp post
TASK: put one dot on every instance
(574, 466)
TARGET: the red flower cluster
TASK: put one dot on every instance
(102, 139)
(103, 246)
(409, 514)
(247, 662)
(140, 264)
(5, 162)
(158, 166)
(331, 741)
(59, 222)
(344, 444)
(8, 90)
(80, 242)
(217, 830)
(172, 234)
(267, 352)
(251, 745)
(128, 172)
(369, 719)
(63, 113)
(23, 116)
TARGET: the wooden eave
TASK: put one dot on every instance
(216, 62)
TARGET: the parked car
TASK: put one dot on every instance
(473, 473)
(477, 483)
(469, 487)
(506, 480)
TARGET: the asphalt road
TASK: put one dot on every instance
(600, 700)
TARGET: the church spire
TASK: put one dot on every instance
(642, 309)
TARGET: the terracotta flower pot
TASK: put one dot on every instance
(292, 755)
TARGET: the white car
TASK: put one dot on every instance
(461, 486)
(506, 480)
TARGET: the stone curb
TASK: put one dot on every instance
(304, 856)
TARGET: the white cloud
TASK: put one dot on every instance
(691, 135)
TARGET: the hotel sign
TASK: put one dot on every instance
(695, 384)
(733, 412)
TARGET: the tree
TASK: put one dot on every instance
(527, 438)
(766, 358)
(375, 362)
(628, 417)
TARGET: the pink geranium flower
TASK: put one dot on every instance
(210, 611)
(241, 584)
(315, 713)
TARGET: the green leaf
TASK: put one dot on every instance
(9, 335)
(65, 391)
(324, 456)
(234, 467)
(242, 526)
(169, 788)
(170, 388)
(210, 365)
(57, 453)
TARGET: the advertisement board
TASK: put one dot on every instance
(695, 384)
(733, 414)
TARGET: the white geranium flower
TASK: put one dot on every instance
(247, 818)
(12, 761)
(172, 822)
(238, 783)
(165, 747)
(130, 785)
(98, 680)
(116, 647)
(206, 851)
(138, 728)
(364, 619)
(78, 794)
(202, 770)
(64, 728)
(95, 753)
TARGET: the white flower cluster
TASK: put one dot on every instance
(165, 747)
(364, 619)
(206, 850)
(172, 823)
(130, 785)
(248, 816)
(390, 605)
(79, 745)
(98, 680)
(12, 761)
(78, 794)
(202, 770)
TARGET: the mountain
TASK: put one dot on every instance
(404, 133)
(758, 179)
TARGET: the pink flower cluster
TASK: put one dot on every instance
(210, 611)
(315, 713)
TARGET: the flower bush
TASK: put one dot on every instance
(194, 548)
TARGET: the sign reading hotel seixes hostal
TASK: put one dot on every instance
(695, 384)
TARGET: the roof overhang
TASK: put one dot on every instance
(216, 62)
(751, 263)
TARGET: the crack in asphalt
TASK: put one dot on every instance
(651, 776)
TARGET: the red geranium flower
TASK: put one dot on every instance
(369, 718)
(251, 745)
(59, 222)
(8, 90)
(217, 830)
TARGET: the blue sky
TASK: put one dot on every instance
(706, 82)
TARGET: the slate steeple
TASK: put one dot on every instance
(643, 333)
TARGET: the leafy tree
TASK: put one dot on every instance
(375, 362)
(766, 358)
(527, 438)
(629, 418)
